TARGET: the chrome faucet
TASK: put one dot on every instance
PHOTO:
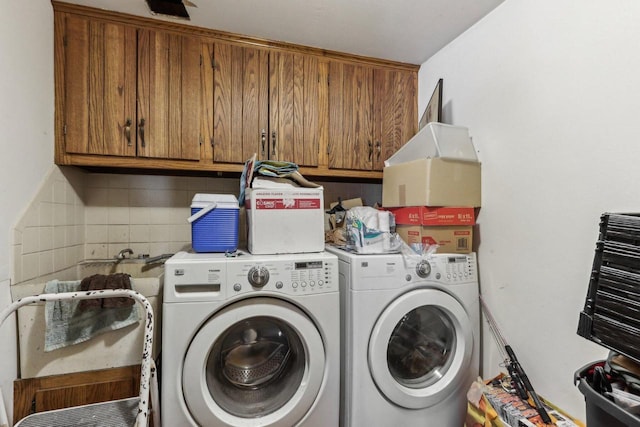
(123, 253)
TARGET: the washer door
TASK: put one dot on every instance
(420, 348)
(258, 361)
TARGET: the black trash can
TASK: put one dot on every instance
(600, 411)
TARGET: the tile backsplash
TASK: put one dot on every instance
(79, 215)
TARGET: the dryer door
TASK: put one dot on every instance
(420, 348)
(260, 361)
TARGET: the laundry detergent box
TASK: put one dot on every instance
(449, 238)
(285, 220)
(214, 222)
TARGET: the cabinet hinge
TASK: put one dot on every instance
(64, 129)
(328, 80)
(201, 60)
(64, 40)
(200, 140)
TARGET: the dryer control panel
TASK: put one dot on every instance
(290, 274)
(452, 268)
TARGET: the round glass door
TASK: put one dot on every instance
(420, 348)
(258, 359)
(255, 367)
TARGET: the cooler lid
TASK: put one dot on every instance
(223, 201)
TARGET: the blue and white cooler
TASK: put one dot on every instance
(214, 223)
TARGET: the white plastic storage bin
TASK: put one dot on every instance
(436, 140)
(214, 222)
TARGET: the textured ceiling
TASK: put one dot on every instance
(401, 30)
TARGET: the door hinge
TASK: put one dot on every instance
(64, 129)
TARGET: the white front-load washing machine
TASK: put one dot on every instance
(410, 338)
(250, 340)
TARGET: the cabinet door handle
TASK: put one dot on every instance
(378, 148)
(141, 131)
(273, 145)
(370, 150)
(127, 131)
(264, 142)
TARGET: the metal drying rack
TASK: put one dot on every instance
(130, 412)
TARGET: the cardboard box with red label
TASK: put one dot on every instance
(283, 221)
(451, 228)
(427, 215)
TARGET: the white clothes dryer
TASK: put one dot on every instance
(410, 338)
(251, 340)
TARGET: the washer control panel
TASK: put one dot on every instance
(450, 268)
(292, 274)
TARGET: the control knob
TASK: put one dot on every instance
(423, 269)
(258, 276)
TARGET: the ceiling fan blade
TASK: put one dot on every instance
(189, 3)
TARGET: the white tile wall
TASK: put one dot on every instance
(49, 235)
(78, 215)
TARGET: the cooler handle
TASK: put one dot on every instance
(202, 212)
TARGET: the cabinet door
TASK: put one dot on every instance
(395, 112)
(350, 116)
(169, 96)
(296, 108)
(99, 87)
(236, 102)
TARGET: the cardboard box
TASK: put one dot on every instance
(432, 182)
(426, 215)
(450, 239)
(284, 221)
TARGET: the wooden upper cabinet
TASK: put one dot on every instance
(372, 114)
(264, 102)
(394, 113)
(350, 116)
(235, 101)
(130, 92)
(169, 95)
(297, 107)
(135, 92)
(100, 87)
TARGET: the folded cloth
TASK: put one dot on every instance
(101, 281)
(117, 281)
(66, 324)
(87, 285)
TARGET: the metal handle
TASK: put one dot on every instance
(378, 148)
(273, 144)
(370, 150)
(141, 130)
(264, 142)
(127, 131)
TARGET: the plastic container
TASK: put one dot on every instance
(600, 410)
(214, 223)
(436, 140)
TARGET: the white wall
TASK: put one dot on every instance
(550, 92)
(26, 129)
